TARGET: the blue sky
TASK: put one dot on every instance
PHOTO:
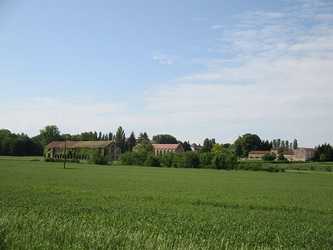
(191, 68)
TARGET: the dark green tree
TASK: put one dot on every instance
(131, 142)
(143, 138)
(244, 144)
(164, 139)
(48, 134)
(120, 139)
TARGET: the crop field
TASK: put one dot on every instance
(43, 206)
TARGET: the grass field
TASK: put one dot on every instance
(43, 206)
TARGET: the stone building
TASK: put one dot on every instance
(300, 154)
(81, 150)
(257, 154)
(161, 149)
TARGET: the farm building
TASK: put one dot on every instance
(161, 149)
(257, 154)
(300, 154)
(81, 150)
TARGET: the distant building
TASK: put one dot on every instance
(81, 150)
(304, 154)
(299, 154)
(257, 154)
(161, 149)
(196, 147)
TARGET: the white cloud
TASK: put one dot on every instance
(274, 77)
(271, 74)
(164, 59)
(216, 27)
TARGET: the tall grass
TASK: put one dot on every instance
(43, 206)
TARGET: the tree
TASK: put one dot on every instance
(217, 148)
(110, 137)
(295, 144)
(186, 145)
(190, 160)
(143, 137)
(131, 142)
(269, 157)
(324, 153)
(246, 143)
(152, 161)
(49, 133)
(224, 160)
(278, 143)
(283, 145)
(120, 139)
(164, 139)
(208, 145)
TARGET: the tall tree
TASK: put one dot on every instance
(120, 139)
(186, 145)
(110, 136)
(245, 143)
(295, 144)
(164, 139)
(131, 142)
(48, 134)
(143, 137)
(208, 145)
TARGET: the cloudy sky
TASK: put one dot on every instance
(191, 68)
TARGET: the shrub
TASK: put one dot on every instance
(99, 159)
(152, 161)
(224, 160)
(206, 159)
(190, 160)
(269, 157)
(133, 158)
(167, 160)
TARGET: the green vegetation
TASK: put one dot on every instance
(44, 206)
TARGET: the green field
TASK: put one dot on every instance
(44, 206)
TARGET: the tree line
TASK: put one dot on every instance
(23, 145)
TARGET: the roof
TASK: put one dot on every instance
(166, 146)
(79, 144)
(259, 152)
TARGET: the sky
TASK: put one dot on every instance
(190, 68)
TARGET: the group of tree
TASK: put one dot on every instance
(284, 144)
(249, 142)
(19, 144)
(143, 155)
(324, 152)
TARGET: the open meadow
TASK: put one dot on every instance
(43, 206)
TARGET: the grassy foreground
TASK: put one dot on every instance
(43, 206)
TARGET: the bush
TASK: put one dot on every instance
(190, 160)
(224, 160)
(133, 158)
(152, 161)
(99, 159)
(269, 157)
(206, 159)
(167, 160)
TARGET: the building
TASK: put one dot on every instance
(161, 149)
(257, 154)
(81, 150)
(304, 154)
(196, 147)
(299, 154)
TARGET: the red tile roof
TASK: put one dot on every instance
(166, 146)
(79, 144)
(259, 152)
